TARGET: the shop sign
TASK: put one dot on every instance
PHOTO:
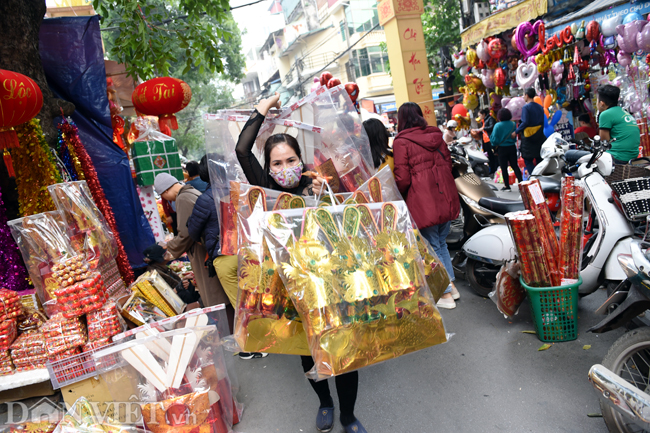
(565, 125)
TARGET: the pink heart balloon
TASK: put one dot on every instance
(523, 30)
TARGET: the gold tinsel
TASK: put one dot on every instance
(34, 169)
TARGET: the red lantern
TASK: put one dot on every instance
(333, 83)
(20, 100)
(162, 97)
(353, 91)
(325, 77)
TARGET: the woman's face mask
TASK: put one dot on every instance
(286, 168)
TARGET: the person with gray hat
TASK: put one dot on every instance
(185, 196)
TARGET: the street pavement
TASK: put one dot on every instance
(490, 377)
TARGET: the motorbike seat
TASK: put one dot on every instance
(572, 156)
(549, 184)
(501, 205)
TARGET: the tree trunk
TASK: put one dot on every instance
(20, 23)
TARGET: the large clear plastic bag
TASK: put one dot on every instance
(43, 242)
(356, 277)
(332, 140)
(89, 232)
(265, 317)
(180, 380)
(216, 316)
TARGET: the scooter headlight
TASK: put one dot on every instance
(546, 152)
(627, 264)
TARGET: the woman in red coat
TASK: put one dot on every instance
(423, 176)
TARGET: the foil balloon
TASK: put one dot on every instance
(528, 30)
(325, 77)
(543, 63)
(353, 91)
(593, 31)
(627, 33)
(549, 126)
(460, 59)
(608, 28)
(458, 109)
(499, 77)
(624, 59)
(474, 84)
(472, 57)
(634, 16)
(526, 74)
(515, 105)
(574, 29)
(482, 51)
(316, 84)
(495, 102)
(581, 30)
(643, 39)
(487, 76)
(333, 82)
(497, 48)
(464, 70)
(634, 103)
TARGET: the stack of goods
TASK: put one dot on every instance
(81, 291)
(63, 335)
(6, 364)
(10, 310)
(180, 376)
(545, 262)
(10, 305)
(346, 282)
(102, 325)
(8, 333)
(28, 352)
(571, 229)
(152, 300)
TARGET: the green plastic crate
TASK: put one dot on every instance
(151, 158)
(555, 311)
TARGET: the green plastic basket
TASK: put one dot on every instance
(555, 311)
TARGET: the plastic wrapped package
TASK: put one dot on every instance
(6, 364)
(28, 352)
(216, 315)
(153, 153)
(89, 232)
(534, 266)
(8, 333)
(156, 289)
(265, 318)
(65, 354)
(83, 417)
(535, 202)
(31, 320)
(63, 334)
(379, 188)
(43, 242)
(363, 299)
(105, 322)
(571, 245)
(34, 427)
(508, 294)
(10, 305)
(180, 375)
(82, 297)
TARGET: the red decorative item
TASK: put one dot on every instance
(98, 196)
(593, 31)
(353, 91)
(458, 109)
(333, 83)
(499, 77)
(20, 100)
(162, 97)
(325, 77)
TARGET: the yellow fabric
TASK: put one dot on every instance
(531, 130)
(390, 161)
(226, 267)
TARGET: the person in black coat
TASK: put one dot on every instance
(203, 226)
(154, 257)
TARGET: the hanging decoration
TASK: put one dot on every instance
(20, 100)
(162, 97)
(70, 134)
(65, 155)
(115, 106)
(34, 169)
(12, 268)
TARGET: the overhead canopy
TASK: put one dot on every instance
(599, 11)
(501, 21)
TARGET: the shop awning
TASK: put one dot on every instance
(599, 11)
(501, 21)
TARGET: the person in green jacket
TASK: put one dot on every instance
(614, 122)
(504, 146)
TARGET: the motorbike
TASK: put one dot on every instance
(479, 204)
(609, 232)
(477, 159)
(621, 379)
(552, 154)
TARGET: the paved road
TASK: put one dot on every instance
(489, 378)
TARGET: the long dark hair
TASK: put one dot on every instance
(273, 141)
(409, 116)
(378, 137)
(203, 169)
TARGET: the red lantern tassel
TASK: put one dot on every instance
(167, 122)
(8, 163)
(8, 138)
